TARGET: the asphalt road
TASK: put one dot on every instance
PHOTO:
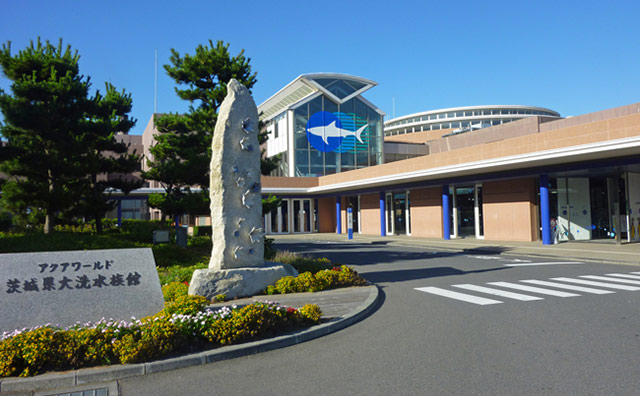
(430, 342)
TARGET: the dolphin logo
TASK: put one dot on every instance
(331, 130)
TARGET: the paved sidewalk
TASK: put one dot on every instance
(341, 308)
(600, 251)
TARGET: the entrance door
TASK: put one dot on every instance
(397, 213)
(478, 212)
(354, 204)
(389, 215)
(301, 215)
(633, 188)
(278, 219)
(466, 211)
(465, 207)
(574, 209)
(399, 218)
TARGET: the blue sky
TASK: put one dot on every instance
(574, 57)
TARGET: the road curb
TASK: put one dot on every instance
(51, 381)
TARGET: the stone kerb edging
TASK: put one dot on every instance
(66, 379)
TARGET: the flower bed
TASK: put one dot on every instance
(182, 327)
(312, 282)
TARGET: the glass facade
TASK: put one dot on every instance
(350, 138)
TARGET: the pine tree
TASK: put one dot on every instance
(43, 120)
(59, 154)
(106, 162)
(182, 152)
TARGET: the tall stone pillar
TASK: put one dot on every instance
(237, 267)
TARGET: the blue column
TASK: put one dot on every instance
(338, 217)
(383, 225)
(545, 217)
(446, 213)
(119, 213)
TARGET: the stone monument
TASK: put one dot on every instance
(237, 267)
(63, 288)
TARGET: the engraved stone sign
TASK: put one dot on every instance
(237, 266)
(63, 288)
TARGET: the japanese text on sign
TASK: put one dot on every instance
(53, 278)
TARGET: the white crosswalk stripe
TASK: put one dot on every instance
(497, 292)
(600, 284)
(458, 296)
(625, 276)
(568, 287)
(533, 289)
(609, 279)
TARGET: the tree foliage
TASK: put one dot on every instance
(107, 163)
(43, 120)
(57, 139)
(182, 151)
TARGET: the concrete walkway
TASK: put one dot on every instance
(599, 251)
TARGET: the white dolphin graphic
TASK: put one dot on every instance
(332, 130)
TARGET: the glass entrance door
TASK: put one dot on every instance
(388, 203)
(278, 219)
(466, 211)
(465, 207)
(354, 204)
(302, 215)
(399, 218)
(397, 213)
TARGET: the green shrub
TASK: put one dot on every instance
(142, 230)
(200, 242)
(42, 349)
(306, 282)
(178, 273)
(185, 305)
(108, 225)
(311, 312)
(199, 231)
(6, 220)
(269, 249)
(29, 353)
(159, 337)
(326, 279)
(302, 263)
(252, 321)
(59, 241)
(172, 290)
(167, 255)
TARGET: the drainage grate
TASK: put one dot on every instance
(88, 392)
(99, 389)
